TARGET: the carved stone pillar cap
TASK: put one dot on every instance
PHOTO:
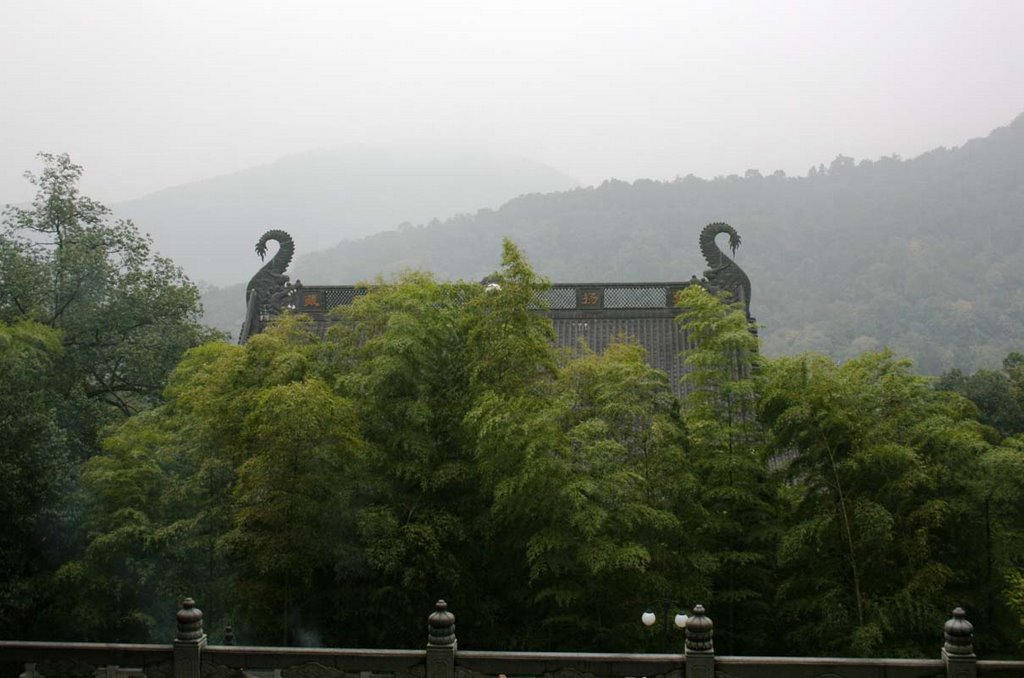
(959, 634)
(698, 621)
(441, 625)
(699, 631)
(190, 621)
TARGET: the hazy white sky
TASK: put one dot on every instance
(150, 94)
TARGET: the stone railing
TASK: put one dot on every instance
(191, 657)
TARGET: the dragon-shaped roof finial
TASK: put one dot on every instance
(724, 273)
(268, 291)
(271, 277)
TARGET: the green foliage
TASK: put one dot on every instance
(434, 443)
(720, 369)
(999, 400)
(91, 323)
(36, 472)
(222, 493)
(511, 342)
(431, 444)
(125, 315)
(999, 491)
(158, 501)
(737, 495)
(290, 499)
(877, 465)
(1015, 593)
(593, 496)
(401, 353)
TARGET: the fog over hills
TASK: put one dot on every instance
(921, 255)
(209, 227)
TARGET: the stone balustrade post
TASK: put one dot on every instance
(189, 641)
(700, 646)
(441, 642)
(958, 648)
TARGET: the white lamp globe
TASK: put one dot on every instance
(647, 618)
(681, 620)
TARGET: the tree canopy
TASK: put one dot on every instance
(324, 489)
(125, 314)
(91, 324)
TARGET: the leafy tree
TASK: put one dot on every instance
(98, 322)
(425, 364)
(720, 370)
(996, 395)
(401, 354)
(995, 533)
(730, 462)
(125, 315)
(1013, 367)
(36, 473)
(511, 343)
(999, 586)
(290, 501)
(1015, 593)
(469, 421)
(289, 448)
(878, 507)
(108, 591)
(234, 491)
(158, 501)
(600, 499)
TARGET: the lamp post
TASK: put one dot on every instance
(649, 618)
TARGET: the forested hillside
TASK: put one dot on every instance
(919, 255)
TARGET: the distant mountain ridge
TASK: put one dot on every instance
(920, 255)
(323, 197)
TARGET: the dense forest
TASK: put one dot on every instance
(435, 443)
(920, 255)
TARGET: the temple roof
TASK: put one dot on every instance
(595, 313)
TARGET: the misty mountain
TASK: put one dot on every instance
(921, 255)
(209, 227)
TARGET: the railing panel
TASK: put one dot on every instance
(1000, 669)
(85, 660)
(225, 661)
(814, 667)
(567, 664)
